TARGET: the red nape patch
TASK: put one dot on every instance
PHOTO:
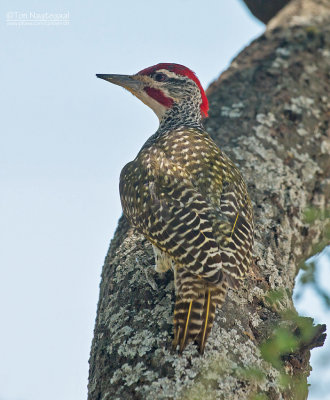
(159, 96)
(183, 71)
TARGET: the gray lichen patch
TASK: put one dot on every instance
(302, 131)
(266, 119)
(129, 374)
(137, 345)
(325, 146)
(299, 104)
(232, 112)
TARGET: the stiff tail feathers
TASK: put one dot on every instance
(207, 320)
(193, 319)
(214, 297)
(187, 320)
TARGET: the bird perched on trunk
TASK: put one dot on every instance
(187, 198)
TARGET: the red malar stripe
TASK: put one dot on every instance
(159, 96)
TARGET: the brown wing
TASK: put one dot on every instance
(161, 202)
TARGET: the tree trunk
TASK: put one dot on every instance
(270, 113)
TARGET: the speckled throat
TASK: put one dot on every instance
(184, 114)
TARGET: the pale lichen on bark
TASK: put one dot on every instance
(270, 113)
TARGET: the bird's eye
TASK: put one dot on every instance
(160, 77)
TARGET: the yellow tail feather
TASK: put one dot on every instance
(186, 327)
(187, 320)
(208, 303)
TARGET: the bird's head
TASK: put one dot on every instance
(167, 89)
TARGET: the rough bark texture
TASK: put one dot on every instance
(270, 113)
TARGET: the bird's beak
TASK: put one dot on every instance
(126, 81)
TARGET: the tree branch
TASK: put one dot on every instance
(270, 113)
(265, 10)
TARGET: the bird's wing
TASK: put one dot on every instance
(235, 236)
(160, 200)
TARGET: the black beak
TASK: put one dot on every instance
(126, 81)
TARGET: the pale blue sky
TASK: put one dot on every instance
(65, 135)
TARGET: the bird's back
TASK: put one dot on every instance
(190, 155)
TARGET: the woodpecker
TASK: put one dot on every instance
(187, 198)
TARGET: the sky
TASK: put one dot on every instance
(65, 136)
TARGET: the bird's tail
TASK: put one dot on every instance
(187, 320)
(193, 318)
(214, 297)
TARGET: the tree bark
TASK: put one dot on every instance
(270, 113)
